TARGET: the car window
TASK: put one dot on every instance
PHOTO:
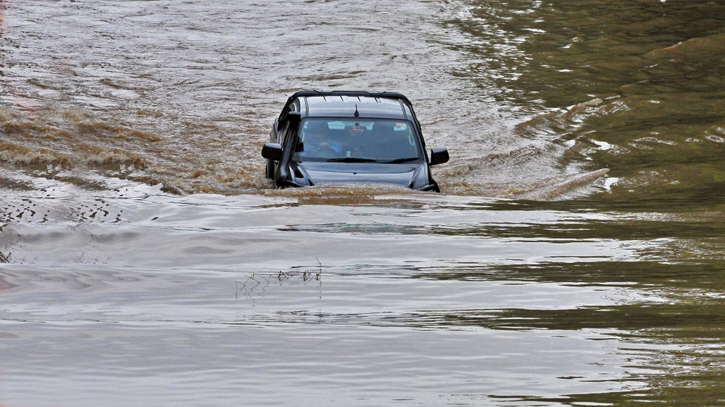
(379, 140)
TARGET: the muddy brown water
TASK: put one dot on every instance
(575, 257)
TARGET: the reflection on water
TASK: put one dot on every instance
(600, 283)
(416, 298)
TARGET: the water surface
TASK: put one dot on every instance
(575, 256)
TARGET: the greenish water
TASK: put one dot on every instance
(638, 88)
(635, 87)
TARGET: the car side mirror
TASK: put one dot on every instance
(438, 156)
(272, 151)
(294, 119)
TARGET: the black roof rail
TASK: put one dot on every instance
(353, 93)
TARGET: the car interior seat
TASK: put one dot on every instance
(390, 143)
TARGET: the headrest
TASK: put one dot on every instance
(316, 126)
(384, 128)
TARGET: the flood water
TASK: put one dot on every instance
(574, 257)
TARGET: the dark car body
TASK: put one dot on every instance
(339, 137)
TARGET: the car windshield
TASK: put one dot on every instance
(367, 140)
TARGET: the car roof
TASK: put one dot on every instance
(354, 104)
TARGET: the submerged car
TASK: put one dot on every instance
(340, 137)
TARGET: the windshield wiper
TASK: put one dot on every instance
(351, 160)
(402, 160)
